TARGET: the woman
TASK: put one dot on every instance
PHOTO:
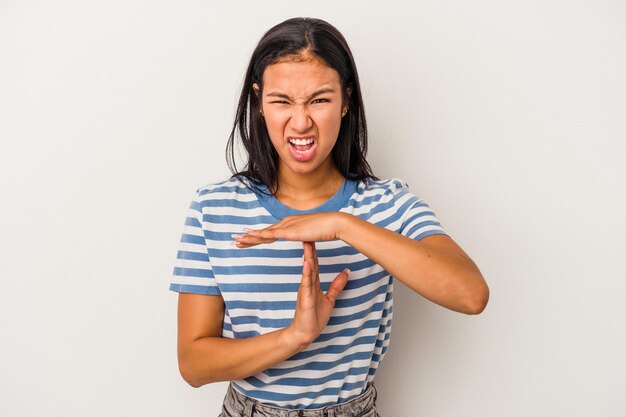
(285, 270)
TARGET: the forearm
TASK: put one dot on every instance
(443, 276)
(213, 359)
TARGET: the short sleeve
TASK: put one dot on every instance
(192, 269)
(418, 220)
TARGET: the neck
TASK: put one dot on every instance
(318, 184)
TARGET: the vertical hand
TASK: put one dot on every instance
(313, 307)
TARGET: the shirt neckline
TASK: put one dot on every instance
(336, 202)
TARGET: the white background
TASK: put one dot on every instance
(507, 117)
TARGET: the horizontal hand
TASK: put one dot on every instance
(303, 228)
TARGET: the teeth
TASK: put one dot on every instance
(301, 141)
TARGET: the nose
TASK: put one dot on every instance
(300, 120)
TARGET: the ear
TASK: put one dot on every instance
(257, 92)
(346, 105)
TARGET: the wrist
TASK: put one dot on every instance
(290, 339)
(343, 225)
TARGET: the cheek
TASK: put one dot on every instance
(328, 122)
(275, 124)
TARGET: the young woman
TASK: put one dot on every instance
(285, 270)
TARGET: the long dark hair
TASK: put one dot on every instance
(291, 38)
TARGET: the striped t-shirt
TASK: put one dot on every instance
(259, 284)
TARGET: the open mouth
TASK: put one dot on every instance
(302, 145)
(302, 149)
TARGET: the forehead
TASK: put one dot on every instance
(300, 77)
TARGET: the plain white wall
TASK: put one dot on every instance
(506, 116)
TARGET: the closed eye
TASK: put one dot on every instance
(321, 100)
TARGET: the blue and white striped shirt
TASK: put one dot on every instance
(259, 285)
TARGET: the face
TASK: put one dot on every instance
(302, 104)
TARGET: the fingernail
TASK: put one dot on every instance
(347, 271)
(234, 236)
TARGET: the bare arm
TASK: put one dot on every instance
(204, 356)
(435, 267)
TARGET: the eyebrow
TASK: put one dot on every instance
(317, 93)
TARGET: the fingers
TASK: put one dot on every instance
(252, 237)
(314, 257)
(313, 278)
(338, 284)
(311, 260)
(246, 240)
(306, 285)
(303, 228)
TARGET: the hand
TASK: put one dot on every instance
(304, 228)
(313, 307)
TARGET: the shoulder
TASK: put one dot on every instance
(382, 188)
(382, 193)
(392, 185)
(228, 185)
(223, 193)
(232, 186)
